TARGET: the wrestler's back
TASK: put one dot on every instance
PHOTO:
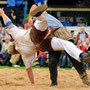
(22, 40)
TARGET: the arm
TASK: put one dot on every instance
(28, 60)
(6, 20)
(30, 74)
(30, 17)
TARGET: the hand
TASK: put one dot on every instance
(31, 22)
(1, 11)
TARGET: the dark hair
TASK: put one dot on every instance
(72, 31)
(81, 19)
(13, 9)
(25, 21)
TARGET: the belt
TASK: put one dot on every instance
(52, 29)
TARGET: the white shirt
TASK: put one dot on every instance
(23, 44)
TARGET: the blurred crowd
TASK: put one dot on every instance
(81, 40)
(69, 23)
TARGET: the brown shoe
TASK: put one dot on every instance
(85, 57)
(85, 78)
(39, 10)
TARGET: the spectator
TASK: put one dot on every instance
(42, 57)
(86, 43)
(75, 39)
(4, 54)
(1, 42)
(81, 46)
(14, 59)
(1, 34)
(63, 61)
(13, 16)
(82, 35)
(67, 22)
(89, 38)
(72, 33)
(0, 23)
(81, 23)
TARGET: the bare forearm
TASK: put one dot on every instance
(7, 21)
(30, 74)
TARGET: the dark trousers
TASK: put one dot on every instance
(53, 61)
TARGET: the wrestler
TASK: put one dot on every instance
(27, 42)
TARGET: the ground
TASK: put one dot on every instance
(16, 79)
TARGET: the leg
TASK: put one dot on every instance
(30, 74)
(79, 66)
(42, 60)
(70, 48)
(63, 61)
(53, 61)
(68, 63)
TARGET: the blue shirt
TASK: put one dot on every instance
(53, 22)
(67, 24)
(38, 1)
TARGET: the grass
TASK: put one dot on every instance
(1, 67)
(22, 67)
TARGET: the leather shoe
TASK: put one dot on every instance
(85, 57)
(38, 11)
(53, 84)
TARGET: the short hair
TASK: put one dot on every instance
(72, 31)
(25, 21)
(81, 19)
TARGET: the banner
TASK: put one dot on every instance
(18, 2)
(38, 1)
(10, 3)
(14, 3)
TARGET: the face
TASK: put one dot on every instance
(87, 41)
(79, 43)
(81, 21)
(27, 26)
(89, 37)
(82, 29)
(68, 20)
(7, 40)
(72, 33)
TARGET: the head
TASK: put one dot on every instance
(26, 24)
(4, 35)
(7, 40)
(87, 40)
(79, 43)
(81, 21)
(72, 32)
(67, 20)
(82, 29)
(75, 39)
